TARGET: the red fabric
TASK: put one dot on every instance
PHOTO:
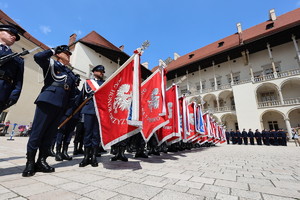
(191, 121)
(152, 105)
(90, 83)
(171, 131)
(112, 102)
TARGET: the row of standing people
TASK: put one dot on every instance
(266, 137)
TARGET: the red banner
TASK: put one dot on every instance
(153, 104)
(171, 131)
(114, 103)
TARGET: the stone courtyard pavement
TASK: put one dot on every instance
(221, 172)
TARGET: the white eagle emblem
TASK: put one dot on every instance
(153, 103)
(170, 110)
(191, 119)
(123, 98)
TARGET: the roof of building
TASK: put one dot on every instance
(102, 46)
(5, 19)
(235, 40)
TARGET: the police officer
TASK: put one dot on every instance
(58, 89)
(245, 136)
(251, 136)
(266, 137)
(257, 135)
(64, 134)
(11, 72)
(233, 137)
(227, 134)
(91, 140)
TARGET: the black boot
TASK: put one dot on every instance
(29, 169)
(58, 155)
(51, 151)
(75, 152)
(94, 161)
(80, 150)
(140, 153)
(86, 158)
(41, 165)
(115, 151)
(65, 155)
(122, 156)
(102, 150)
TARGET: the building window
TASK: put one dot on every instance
(203, 85)
(268, 96)
(273, 125)
(236, 79)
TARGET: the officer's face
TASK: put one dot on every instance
(98, 74)
(7, 38)
(64, 57)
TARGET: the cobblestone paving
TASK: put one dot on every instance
(221, 172)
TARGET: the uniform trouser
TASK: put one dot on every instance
(258, 140)
(79, 134)
(64, 134)
(91, 128)
(44, 126)
(245, 140)
(251, 140)
(228, 140)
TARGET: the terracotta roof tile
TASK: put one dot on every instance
(94, 38)
(283, 22)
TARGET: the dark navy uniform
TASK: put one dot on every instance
(59, 88)
(251, 137)
(233, 137)
(227, 134)
(239, 137)
(245, 137)
(258, 137)
(266, 137)
(64, 134)
(91, 140)
(11, 74)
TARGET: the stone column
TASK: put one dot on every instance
(281, 97)
(200, 80)
(288, 126)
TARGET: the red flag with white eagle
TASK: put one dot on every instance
(117, 103)
(184, 118)
(153, 104)
(171, 131)
(191, 111)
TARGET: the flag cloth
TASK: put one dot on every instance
(153, 104)
(117, 103)
(191, 111)
(184, 118)
(171, 131)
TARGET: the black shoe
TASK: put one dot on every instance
(29, 169)
(140, 155)
(65, 155)
(58, 155)
(51, 151)
(42, 166)
(94, 161)
(86, 158)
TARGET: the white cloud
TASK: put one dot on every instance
(45, 29)
(78, 32)
(3, 5)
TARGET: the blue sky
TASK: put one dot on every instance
(179, 26)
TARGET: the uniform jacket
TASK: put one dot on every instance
(86, 91)
(53, 91)
(14, 69)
